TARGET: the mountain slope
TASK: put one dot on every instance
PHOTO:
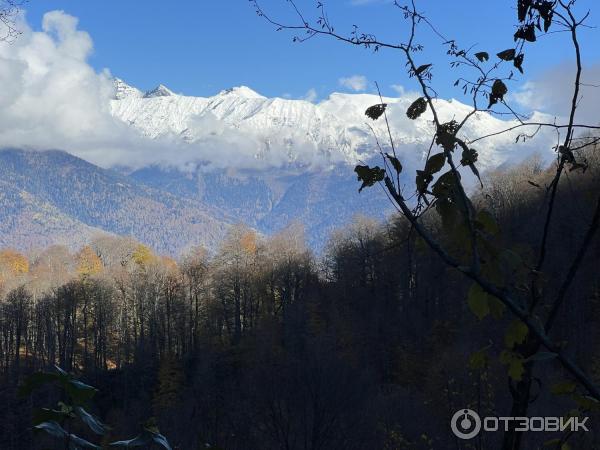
(28, 223)
(80, 199)
(320, 200)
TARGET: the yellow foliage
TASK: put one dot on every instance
(88, 262)
(142, 255)
(248, 242)
(15, 262)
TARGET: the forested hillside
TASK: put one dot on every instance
(263, 345)
(53, 197)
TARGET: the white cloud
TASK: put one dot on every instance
(552, 93)
(399, 89)
(311, 95)
(356, 83)
(52, 98)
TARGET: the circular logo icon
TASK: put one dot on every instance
(466, 424)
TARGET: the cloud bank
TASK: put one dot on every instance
(51, 98)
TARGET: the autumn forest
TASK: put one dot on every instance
(265, 345)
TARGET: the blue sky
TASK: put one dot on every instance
(199, 47)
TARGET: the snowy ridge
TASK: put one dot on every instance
(123, 90)
(160, 91)
(279, 131)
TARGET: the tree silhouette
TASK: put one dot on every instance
(9, 13)
(474, 248)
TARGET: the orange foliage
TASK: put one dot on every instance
(169, 263)
(248, 242)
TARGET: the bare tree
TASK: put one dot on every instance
(9, 14)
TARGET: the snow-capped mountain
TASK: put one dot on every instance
(234, 157)
(123, 90)
(278, 131)
(270, 161)
(159, 91)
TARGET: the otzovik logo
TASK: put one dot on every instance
(466, 424)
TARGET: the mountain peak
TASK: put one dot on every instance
(241, 91)
(123, 90)
(160, 91)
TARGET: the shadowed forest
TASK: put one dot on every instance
(263, 345)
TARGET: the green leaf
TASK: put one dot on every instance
(446, 135)
(476, 173)
(374, 112)
(41, 415)
(516, 333)
(422, 181)
(60, 371)
(82, 443)
(485, 221)
(546, 10)
(482, 56)
(469, 156)
(518, 62)
(507, 55)
(522, 9)
(586, 402)
(52, 428)
(499, 89)
(143, 440)
(161, 440)
(395, 163)
(515, 365)
(138, 441)
(418, 107)
(478, 301)
(92, 422)
(563, 388)
(444, 186)
(79, 392)
(369, 176)
(497, 308)
(526, 32)
(479, 359)
(435, 163)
